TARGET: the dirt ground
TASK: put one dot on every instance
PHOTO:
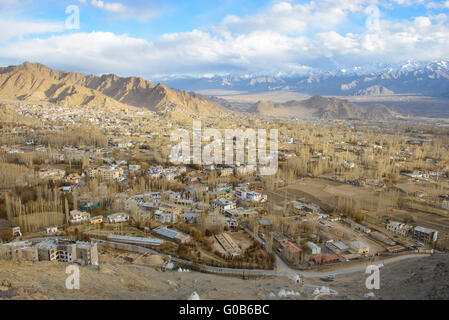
(422, 278)
(325, 193)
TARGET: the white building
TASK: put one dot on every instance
(165, 216)
(118, 217)
(223, 204)
(51, 230)
(77, 216)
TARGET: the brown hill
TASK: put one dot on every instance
(36, 83)
(374, 91)
(270, 108)
(323, 108)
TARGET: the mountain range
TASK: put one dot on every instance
(428, 79)
(36, 83)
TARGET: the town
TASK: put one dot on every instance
(104, 179)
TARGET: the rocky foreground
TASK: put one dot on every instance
(120, 277)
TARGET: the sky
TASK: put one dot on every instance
(156, 39)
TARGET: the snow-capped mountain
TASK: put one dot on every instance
(410, 77)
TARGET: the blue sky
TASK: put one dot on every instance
(155, 38)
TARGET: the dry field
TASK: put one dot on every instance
(325, 193)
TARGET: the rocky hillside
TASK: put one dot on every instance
(36, 83)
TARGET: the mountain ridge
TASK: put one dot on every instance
(322, 108)
(428, 79)
(35, 82)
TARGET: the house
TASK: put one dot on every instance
(73, 178)
(96, 220)
(165, 216)
(327, 258)
(52, 174)
(348, 165)
(51, 230)
(291, 252)
(315, 249)
(118, 217)
(16, 232)
(190, 217)
(240, 212)
(77, 216)
(223, 204)
(233, 224)
(107, 174)
(253, 196)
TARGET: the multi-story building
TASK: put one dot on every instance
(223, 204)
(399, 228)
(425, 235)
(52, 174)
(87, 252)
(77, 216)
(68, 251)
(165, 216)
(47, 251)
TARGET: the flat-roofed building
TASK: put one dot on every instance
(87, 252)
(171, 234)
(77, 216)
(399, 228)
(118, 217)
(337, 247)
(425, 235)
(135, 240)
(165, 216)
(47, 251)
(223, 204)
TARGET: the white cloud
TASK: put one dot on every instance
(140, 10)
(285, 37)
(12, 28)
(109, 6)
(438, 5)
